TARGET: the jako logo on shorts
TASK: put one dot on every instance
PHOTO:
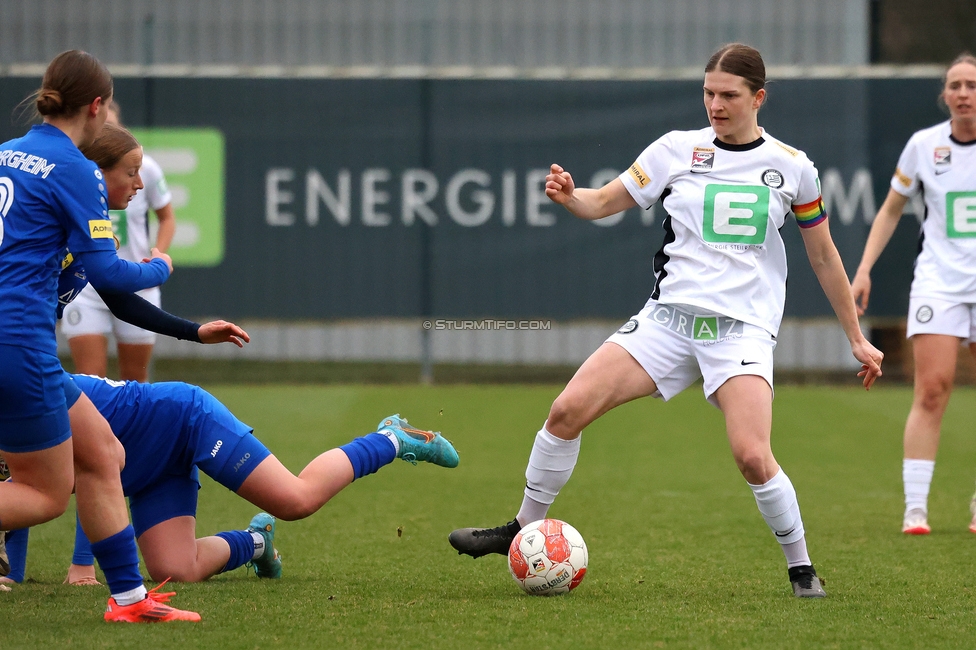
(241, 462)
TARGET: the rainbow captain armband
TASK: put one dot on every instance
(810, 214)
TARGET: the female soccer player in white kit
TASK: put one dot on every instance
(717, 300)
(940, 163)
(87, 320)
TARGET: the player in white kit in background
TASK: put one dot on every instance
(87, 322)
(716, 303)
(940, 163)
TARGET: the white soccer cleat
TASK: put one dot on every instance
(916, 522)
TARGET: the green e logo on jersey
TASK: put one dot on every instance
(736, 214)
(961, 214)
(120, 225)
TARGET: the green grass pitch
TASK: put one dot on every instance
(679, 555)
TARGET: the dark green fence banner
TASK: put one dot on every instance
(328, 199)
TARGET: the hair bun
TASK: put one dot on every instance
(49, 102)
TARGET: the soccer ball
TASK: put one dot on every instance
(548, 557)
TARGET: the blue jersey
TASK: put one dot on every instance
(51, 196)
(171, 428)
(71, 281)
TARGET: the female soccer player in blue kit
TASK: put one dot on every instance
(171, 429)
(51, 196)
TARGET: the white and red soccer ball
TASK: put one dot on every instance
(548, 557)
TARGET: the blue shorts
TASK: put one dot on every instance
(167, 498)
(71, 391)
(33, 411)
(225, 448)
(176, 495)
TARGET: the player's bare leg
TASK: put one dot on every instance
(40, 489)
(972, 502)
(101, 505)
(134, 361)
(273, 488)
(90, 354)
(171, 550)
(747, 404)
(104, 516)
(608, 378)
(935, 371)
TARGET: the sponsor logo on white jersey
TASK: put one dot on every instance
(772, 178)
(702, 159)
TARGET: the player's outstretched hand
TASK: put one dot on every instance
(220, 331)
(156, 253)
(559, 185)
(861, 288)
(870, 358)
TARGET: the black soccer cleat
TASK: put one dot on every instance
(482, 541)
(805, 582)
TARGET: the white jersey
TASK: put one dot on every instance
(944, 171)
(132, 224)
(725, 205)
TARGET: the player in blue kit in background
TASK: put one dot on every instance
(51, 196)
(171, 430)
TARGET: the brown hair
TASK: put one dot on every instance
(741, 60)
(72, 81)
(111, 145)
(965, 57)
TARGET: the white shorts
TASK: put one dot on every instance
(87, 315)
(676, 347)
(937, 316)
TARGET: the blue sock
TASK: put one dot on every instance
(119, 560)
(241, 548)
(83, 553)
(369, 453)
(17, 553)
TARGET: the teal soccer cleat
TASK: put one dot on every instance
(269, 564)
(417, 444)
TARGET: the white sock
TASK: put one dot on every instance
(392, 437)
(796, 554)
(777, 504)
(132, 596)
(917, 475)
(550, 465)
(258, 545)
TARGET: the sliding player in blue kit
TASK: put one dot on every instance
(51, 196)
(171, 430)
